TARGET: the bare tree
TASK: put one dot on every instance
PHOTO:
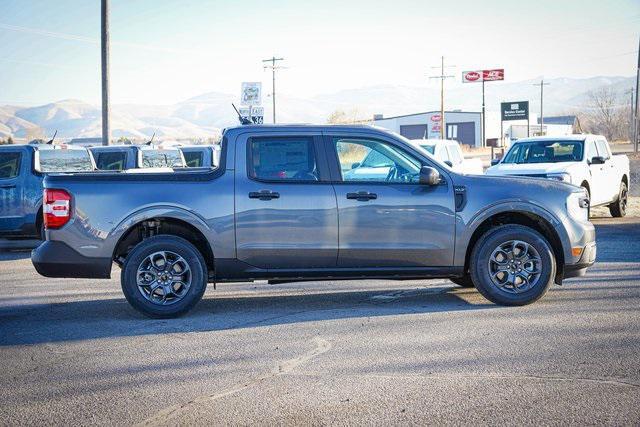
(346, 117)
(606, 114)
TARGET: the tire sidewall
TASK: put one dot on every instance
(158, 243)
(489, 242)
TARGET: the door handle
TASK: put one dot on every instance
(264, 195)
(362, 196)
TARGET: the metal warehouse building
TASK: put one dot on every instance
(464, 127)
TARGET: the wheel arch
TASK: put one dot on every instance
(535, 220)
(156, 222)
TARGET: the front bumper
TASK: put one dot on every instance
(57, 259)
(586, 260)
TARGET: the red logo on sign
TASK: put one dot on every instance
(490, 75)
(472, 76)
(435, 118)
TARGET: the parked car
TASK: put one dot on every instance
(284, 205)
(449, 152)
(123, 157)
(22, 168)
(197, 156)
(582, 160)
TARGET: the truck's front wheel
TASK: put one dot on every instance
(618, 209)
(512, 265)
(164, 276)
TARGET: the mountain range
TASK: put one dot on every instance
(203, 116)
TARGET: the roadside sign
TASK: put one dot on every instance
(436, 118)
(478, 76)
(518, 110)
(251, 93)
(255, 114)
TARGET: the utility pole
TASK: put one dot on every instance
(106, 132)
(636, 133)
(273, 67)
(442, 77)
(542, 84)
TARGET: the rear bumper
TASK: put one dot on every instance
(587, 259)
(57, 259)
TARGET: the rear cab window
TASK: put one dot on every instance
(10, 164)
(162, 159)
(282, 159)
(111, 161)
(194, 159)
(63, 160)
(603, 149)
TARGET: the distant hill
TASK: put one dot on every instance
(204, 115)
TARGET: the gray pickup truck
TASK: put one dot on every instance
(282, 205)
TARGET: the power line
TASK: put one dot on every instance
(273, 68)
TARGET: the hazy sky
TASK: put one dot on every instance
(167, 51)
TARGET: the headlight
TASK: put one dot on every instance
(564, 177)
(578, 206)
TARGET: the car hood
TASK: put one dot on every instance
(528, 168)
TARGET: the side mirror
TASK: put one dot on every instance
(355, 165)
(448, 163)
(597, 160)
(429, 176)
(495, 162)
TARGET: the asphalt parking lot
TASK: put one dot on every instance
(366, 352)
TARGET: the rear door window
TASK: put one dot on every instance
(111, 161)
(603, 150)
(454, 154)
(282, 159)
(9, 165)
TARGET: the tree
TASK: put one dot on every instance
(606, 114)
(10, 140)
(341, 117)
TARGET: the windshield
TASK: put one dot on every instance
(63, 160)
(545, 152)
(431, 149)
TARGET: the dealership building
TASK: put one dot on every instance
(463, 126)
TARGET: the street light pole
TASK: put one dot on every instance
(106, 131)
(273, 67)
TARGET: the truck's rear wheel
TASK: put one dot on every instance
(512, 265)
(164, 276)
(618, 209)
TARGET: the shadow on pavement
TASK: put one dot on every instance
(82, 320)
(618, 240)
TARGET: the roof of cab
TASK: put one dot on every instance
(576, 137)
(270, 128)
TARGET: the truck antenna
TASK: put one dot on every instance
(151, 140)
(243, 120)
(53, 137)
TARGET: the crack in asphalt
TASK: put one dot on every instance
(608, 381)
(321, 346)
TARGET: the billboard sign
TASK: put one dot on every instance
(518, 110)
(436, 118)
(251, 93)
(483, 75)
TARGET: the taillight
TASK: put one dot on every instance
(57, 208)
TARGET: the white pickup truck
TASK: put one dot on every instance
(448, 151)
(582, 160)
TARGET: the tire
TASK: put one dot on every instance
(589, 197)
(464, 281)
(488, 251)
(159, 294)
(618, 209)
